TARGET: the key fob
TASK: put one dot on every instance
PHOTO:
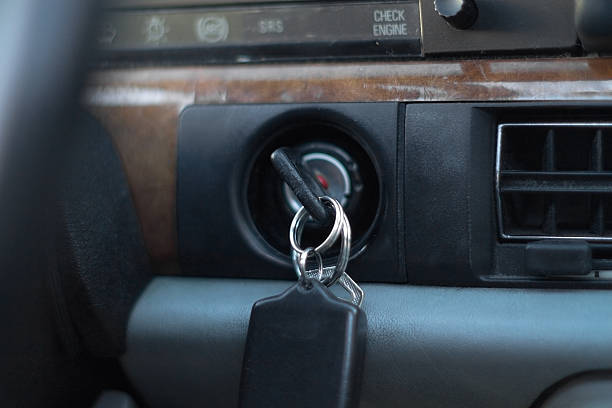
(305, 348)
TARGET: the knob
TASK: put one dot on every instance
(460, 14)
(592, 19)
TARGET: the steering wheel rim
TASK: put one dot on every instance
(43, 48)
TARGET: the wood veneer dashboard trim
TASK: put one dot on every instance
(140, 106)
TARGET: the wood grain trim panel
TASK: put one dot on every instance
(140, 106)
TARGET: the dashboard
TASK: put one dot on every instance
(470, 142)
(247, 31)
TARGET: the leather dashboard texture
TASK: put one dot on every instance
(427, 346)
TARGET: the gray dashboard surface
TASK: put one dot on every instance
(427, 346)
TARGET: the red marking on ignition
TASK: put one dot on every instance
(323, 181)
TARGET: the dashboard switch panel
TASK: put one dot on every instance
(502, 26)
(246, 32)
(271, 31)
(233, 217)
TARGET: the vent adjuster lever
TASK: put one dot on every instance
(558, 257)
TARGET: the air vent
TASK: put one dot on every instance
(554, 180)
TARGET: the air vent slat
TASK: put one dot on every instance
(598, 222)
(555, 180)
(597, 158)
(549, 151)
(550, 220)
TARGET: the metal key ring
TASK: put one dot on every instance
(343, 257)
(345, 250)
(345, 247)
(299, 222)
(303, 258)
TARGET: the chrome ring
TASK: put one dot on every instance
(299, 222)
(303, 258)
(345, 250)
(343, 229)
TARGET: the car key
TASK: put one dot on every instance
(305, 347)
(334, 273)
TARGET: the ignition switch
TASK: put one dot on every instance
(315, 160)
(335, 171)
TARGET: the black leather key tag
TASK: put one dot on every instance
(305, 348)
